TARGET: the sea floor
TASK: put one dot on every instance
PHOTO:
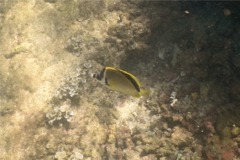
(186, 53)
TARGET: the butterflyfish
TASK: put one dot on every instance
(121, 81)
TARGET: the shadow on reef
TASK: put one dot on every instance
(195, 47)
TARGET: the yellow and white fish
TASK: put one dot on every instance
(121, 81)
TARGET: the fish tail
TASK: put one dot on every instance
(145, 92)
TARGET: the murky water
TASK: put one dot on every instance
(186, 53)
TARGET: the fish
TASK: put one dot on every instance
(121, 81)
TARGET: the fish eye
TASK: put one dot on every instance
(94, 75)
(97, 76)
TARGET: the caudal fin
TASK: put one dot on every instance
(145, 92)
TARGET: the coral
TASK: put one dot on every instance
(227, 155)
(180, 136)
(80, 43)
(235, 131)
(173, 98)
(60, 115)
(61, 155)
(189, 60)
(76, 154)
(217, 148)
(169, 52)
(74, 85)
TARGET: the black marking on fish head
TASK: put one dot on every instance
(99, 76)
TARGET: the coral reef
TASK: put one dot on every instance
(75, 84)
(186, 53)
(81, 43)
(60, 115)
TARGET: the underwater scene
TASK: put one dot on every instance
(119, 80)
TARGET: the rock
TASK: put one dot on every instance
(51, 1)
(77, 154)
(180, 136)
(235, 131)
(60, 155)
